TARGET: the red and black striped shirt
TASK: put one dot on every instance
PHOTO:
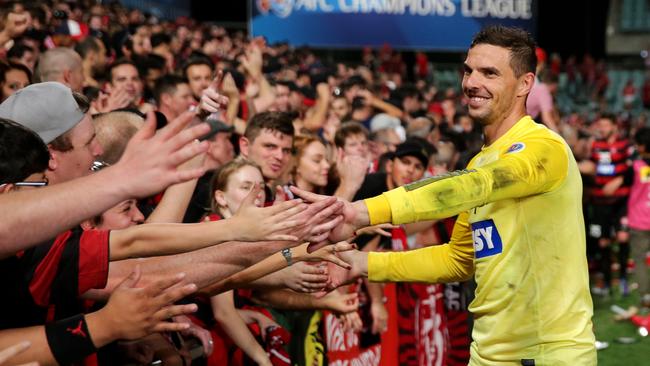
(44, 283)
(612, 160)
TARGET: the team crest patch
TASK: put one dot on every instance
(516, 147)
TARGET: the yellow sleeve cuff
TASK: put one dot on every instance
(378, 210)
(378, 266)
(401, 209)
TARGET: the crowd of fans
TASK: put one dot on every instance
(98, 87)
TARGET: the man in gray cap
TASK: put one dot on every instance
(52, 111)
(60, 117)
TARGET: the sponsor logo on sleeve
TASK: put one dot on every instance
(486, 238)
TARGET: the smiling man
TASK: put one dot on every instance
(124, 75)
(406, 165)
(520, 229)
(62, 120)
(268, 142)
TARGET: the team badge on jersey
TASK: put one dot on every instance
(486, 238)
(516, 147)
(606, 169)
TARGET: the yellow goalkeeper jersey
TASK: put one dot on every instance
(520, 231)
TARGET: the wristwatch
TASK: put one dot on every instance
(286, 253)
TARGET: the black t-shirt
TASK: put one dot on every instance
(200, 202)
(373, 185)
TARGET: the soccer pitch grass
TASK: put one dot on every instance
(607, 329)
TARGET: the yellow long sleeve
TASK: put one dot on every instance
(539, 167)
(442, 263)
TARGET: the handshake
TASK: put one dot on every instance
(327, 223)
(312, 218)
(325, 219)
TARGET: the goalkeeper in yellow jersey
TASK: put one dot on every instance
(520, 228)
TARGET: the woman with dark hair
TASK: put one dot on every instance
(13, 77)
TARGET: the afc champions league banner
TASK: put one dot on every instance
(446, 25)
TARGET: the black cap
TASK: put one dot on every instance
(289, 84)
(216, 126)
(414, 149)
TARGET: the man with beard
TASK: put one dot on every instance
(520, 229)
